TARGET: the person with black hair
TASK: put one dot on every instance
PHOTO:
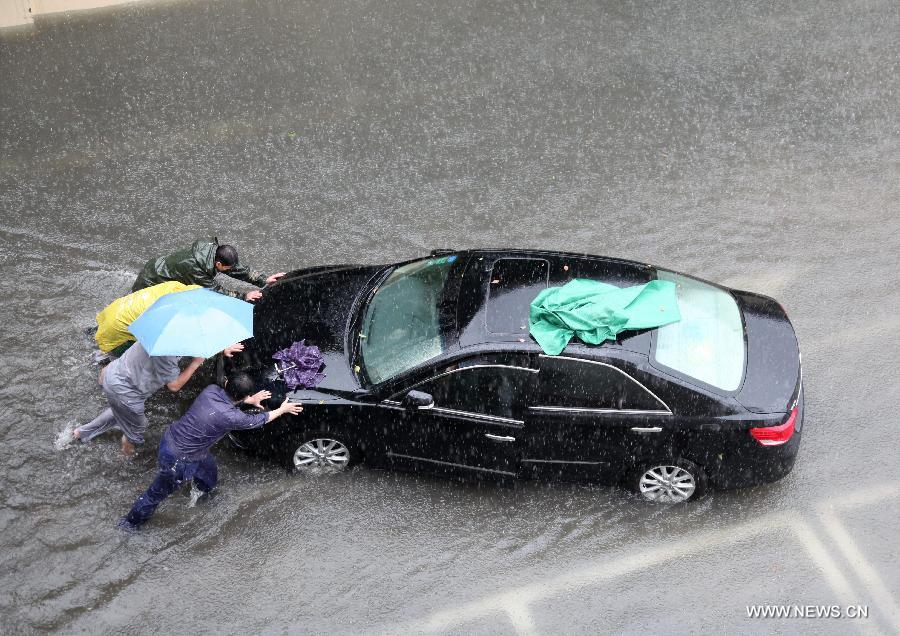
(198, 265)
(184, 452)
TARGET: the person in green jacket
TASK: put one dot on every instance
(198, 265)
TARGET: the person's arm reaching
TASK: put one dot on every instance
(254, 295)
(217, 287)
(247, 275)
(246, 421)
(184, 376)
(230, 350)
(251, 276)
(286, 407)
(257, 398)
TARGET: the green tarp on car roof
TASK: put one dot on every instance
(596, 312)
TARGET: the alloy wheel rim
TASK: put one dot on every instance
(321, 455)
(667, 484)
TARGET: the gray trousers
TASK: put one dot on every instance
(128, 417)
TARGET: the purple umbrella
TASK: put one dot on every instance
(300, 365)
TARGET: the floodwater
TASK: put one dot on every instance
(753, 144)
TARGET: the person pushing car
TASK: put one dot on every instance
(127, 383)
(198, 265)
(184, 452)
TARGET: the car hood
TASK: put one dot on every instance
(313, 305)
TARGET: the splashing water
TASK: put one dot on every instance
(196, 496)
(66, 436)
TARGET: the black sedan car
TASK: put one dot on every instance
(429, 365)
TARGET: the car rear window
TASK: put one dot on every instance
(708, 342)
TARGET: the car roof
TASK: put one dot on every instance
(498, 287)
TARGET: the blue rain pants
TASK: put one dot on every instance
(173, 472)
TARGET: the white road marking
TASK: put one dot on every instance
(884, 601)
(521, 619)
(515, 603)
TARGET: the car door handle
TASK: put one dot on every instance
(500, 438)
(646, 429)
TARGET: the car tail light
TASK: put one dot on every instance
(776, 435)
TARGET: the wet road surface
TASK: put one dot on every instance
(756, 146)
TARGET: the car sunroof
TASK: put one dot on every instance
(514, 283)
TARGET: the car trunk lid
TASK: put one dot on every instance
(772, 376)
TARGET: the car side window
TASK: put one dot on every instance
(581, 384)
(498, 391)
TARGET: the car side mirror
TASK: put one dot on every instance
(418, 400)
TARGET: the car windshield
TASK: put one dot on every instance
(401, 326)
(708, 342)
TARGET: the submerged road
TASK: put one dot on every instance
(751, 144)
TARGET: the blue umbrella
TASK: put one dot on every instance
(196, 322)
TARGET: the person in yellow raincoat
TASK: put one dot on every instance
(112, 334)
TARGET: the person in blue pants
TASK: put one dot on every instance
(184, 451)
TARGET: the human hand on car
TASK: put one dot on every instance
(290, 407)
(271, 279)
(257, 398)
(250, 296)
(230, 350)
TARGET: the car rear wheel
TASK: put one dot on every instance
(320, 453)
(671, 481)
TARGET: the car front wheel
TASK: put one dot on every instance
(319, 454)
(670, 481)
